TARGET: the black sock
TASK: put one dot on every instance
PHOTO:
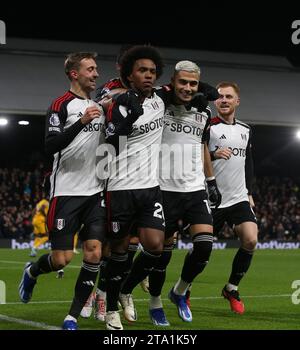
(240, 265)
(84, 287)
(114, 271)
(158, 275)
(102, 281)
(197, 258)
(141, 267)
(132, 249)
(43, 265)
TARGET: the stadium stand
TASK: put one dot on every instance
(20, 190)
(277, 202)
(277, 208)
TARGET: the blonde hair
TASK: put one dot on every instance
(224, 84)
(187, 66)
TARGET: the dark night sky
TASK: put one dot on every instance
(199, 26)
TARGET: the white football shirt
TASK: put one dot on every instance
(181, 156)
(74, 167)
(230, 174)
(136, 167)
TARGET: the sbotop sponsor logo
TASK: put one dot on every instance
(2, 32)
(296, 294)
(143, 161)
(237, 152)
(295, 38)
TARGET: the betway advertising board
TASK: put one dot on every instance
(218, 244)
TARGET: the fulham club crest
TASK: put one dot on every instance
(198, 117)
(115, 226)
(60, 224)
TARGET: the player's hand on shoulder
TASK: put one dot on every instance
(199, 101)
(127, 98)
(90, 114)
(205, 94)
(208, 91)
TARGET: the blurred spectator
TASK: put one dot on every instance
(20, 190)
(277, 208)
(277, 205)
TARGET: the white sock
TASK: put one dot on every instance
(231, 287)
(181, 287)
(70, 318)
(155, 302)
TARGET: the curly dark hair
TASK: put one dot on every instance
(123, 49)
(137, 53)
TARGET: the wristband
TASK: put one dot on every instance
(210, 178)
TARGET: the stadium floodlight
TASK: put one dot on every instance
(298, 134)
(3, 121)
(23, 122)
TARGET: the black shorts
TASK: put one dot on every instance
(68, 213)
(233, 215)
(191, 207)
(128, 210)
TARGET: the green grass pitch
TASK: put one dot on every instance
(266, 291)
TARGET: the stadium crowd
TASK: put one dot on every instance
(20, 190)
(277, 208)
(277, 205)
